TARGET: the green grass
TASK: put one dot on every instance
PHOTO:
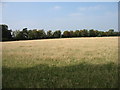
(61, 63)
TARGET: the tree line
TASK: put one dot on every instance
(26, 34)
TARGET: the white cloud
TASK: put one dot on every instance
(56, 7)
(90, 8)
(81, 10)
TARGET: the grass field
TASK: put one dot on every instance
(61, 63)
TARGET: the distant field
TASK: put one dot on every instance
(61, 63)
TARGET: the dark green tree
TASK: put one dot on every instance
(15, 34)
(84, 33)
(71, 34)
(92, 33)
(25, 33)
(111, 32)
(77, 33)
(31, 34)
(41, 34)
(21, 35)
(66, 34)
(49, 34)
(57, 34)
(6, 34)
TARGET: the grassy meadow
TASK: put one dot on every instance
(60, 63)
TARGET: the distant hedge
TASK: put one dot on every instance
(26, 34)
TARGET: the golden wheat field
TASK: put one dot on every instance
(61, 63)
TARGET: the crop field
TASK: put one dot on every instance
(60, 63)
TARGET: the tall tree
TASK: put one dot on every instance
(92, 33)
(111, 32)
(25, 33)
(31, 34)
(66, 34)
(77, 33)
(57, 34)
(21, 35)
(41, 34)
(15, 34)
(49, 34)
(6, 34)
(71, 34)
(84, 33)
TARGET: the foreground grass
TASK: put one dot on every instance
(75, 62)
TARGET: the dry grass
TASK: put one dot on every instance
(93, 62)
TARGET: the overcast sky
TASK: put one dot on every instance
(60, 15)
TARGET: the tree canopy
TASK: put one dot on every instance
(6, 34)
(26, 34)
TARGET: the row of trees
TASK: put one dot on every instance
(26, 34)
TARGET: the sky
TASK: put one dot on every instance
(60, 15)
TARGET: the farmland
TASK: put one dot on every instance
(60, 63)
